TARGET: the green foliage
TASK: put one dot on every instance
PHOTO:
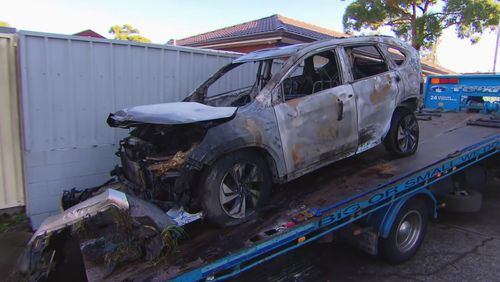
(171, 236)
(4, 24)
(421, 22)
(127, 32)
(9, 222)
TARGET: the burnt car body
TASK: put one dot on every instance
(283, 113)
(302, 107)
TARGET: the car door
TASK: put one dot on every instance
(376, 89)
(317, 114)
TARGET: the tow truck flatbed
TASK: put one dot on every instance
(330, 199)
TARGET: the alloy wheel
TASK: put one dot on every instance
(407, 134)
(239, 192)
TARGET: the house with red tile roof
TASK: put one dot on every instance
(89, 33)
(272, 31)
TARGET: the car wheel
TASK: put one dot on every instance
(407, 233)
(234, 188)
(402, 138)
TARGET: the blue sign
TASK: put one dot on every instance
(452, 92)
(438, 89)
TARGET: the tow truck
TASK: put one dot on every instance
(379, 202)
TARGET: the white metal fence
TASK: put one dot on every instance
(11, 175)
(69, 86)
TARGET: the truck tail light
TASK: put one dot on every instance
(436, 80)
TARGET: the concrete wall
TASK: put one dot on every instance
(11, 174)
(69, 86)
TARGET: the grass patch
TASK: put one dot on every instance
(13, 222)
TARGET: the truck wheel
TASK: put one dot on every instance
(476, 177)
(463, 201)
(234, 188)
(407, 233)
(402, 138)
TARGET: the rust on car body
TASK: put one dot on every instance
(296, 133)
(164, 164)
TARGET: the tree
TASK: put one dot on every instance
(421, 22)
(430, 54)
(127, 32)
(4, 24)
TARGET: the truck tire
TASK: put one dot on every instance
(402, 138)
(407, 233)
(234, 188)
(463, 201)
(476, 177)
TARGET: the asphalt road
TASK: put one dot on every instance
(457, 247)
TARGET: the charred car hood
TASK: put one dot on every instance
(169, 113)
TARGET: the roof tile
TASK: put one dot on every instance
(269, 24)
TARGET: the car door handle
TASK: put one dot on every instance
(341, 110)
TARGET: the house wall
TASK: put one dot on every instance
(69, 86)
(11, 173)
(248, 48)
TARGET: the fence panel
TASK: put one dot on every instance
(69, 86)
(11, 174)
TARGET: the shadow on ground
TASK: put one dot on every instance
(458, 247)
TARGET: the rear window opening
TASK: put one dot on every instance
(396, 55)
(365, 61)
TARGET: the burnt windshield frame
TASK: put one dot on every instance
(261, 77)
(254, 81)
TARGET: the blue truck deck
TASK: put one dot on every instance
(328, 199)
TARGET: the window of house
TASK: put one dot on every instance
(396, 55)
(365, 61)
(313, 74)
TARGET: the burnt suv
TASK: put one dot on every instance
(269, 117)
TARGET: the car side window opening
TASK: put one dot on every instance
(365, 61)
(313, 74)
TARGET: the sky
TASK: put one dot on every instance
(161, 20)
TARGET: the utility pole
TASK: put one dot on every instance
(496, 48)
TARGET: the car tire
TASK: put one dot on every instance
(407, 233)
(402, 138)
(234, 188)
